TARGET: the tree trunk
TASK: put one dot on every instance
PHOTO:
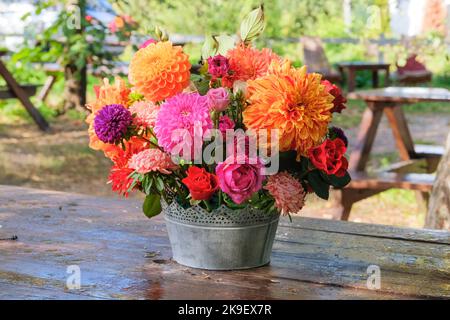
(74, 87)
(438, 216)
(75, 75)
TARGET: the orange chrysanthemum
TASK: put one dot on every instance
(247, 63)
(160, 71)
(292, 101)
(106, 94)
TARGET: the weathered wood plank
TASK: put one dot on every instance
(370, 230)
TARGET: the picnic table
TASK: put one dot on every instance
(390, 101)
(352, 67)
(123, 255)
(21, 92)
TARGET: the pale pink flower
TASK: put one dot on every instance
(218, 99)
(145, 113)
(152, 160)
(287, 191)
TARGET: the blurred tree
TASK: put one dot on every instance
(285, 18)
(73, 42)
(439, 207)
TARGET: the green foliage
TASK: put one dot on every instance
(64, 42)
(283, 17)
(152, 205)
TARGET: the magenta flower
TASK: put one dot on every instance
(181, 121)
(147, 43)
(218, 66)
(240, 177)
(218, 99)
(111, 123)
(225, 123)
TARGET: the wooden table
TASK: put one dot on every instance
(123, 255)
(354, 66)
(22, 93)
(390, 101)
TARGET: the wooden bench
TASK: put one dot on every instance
(22, 93)
(364, 185)
(7, 93)
(396, 176)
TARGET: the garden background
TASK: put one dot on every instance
(62, 160)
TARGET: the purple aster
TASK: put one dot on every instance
(112, 122)
(335, 132)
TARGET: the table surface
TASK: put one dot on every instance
(356, 64)
(402, 94)
(123, 255)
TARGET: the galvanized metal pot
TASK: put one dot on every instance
(224, 239)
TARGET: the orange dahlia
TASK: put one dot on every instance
(106, 94)
(247, 63)
(292, 101)
(160, 71)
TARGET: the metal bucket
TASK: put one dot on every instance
(223, 239)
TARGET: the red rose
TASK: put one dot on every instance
(201, 183)
(339, 100)
(329, 157)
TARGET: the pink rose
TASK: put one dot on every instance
(218, 66)
(147, 43)
(218, 99)
(225, 123)
(240, 177)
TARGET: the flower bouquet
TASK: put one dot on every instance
(224, 152)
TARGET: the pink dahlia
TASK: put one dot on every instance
(287, 191)
(181, 123)
(152, 160)
(145, 113)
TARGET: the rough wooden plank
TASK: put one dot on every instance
(400, 131)
(123, 255)
(370, 230)
(366, 137)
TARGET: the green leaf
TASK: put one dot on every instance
(340, 182)
(159, 184)
(252, 25)
(25, 16)
(147, 183)
(152, 205)
(225, 43)
(209, 47)
(319, 185)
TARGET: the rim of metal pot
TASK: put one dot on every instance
(222, 216)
